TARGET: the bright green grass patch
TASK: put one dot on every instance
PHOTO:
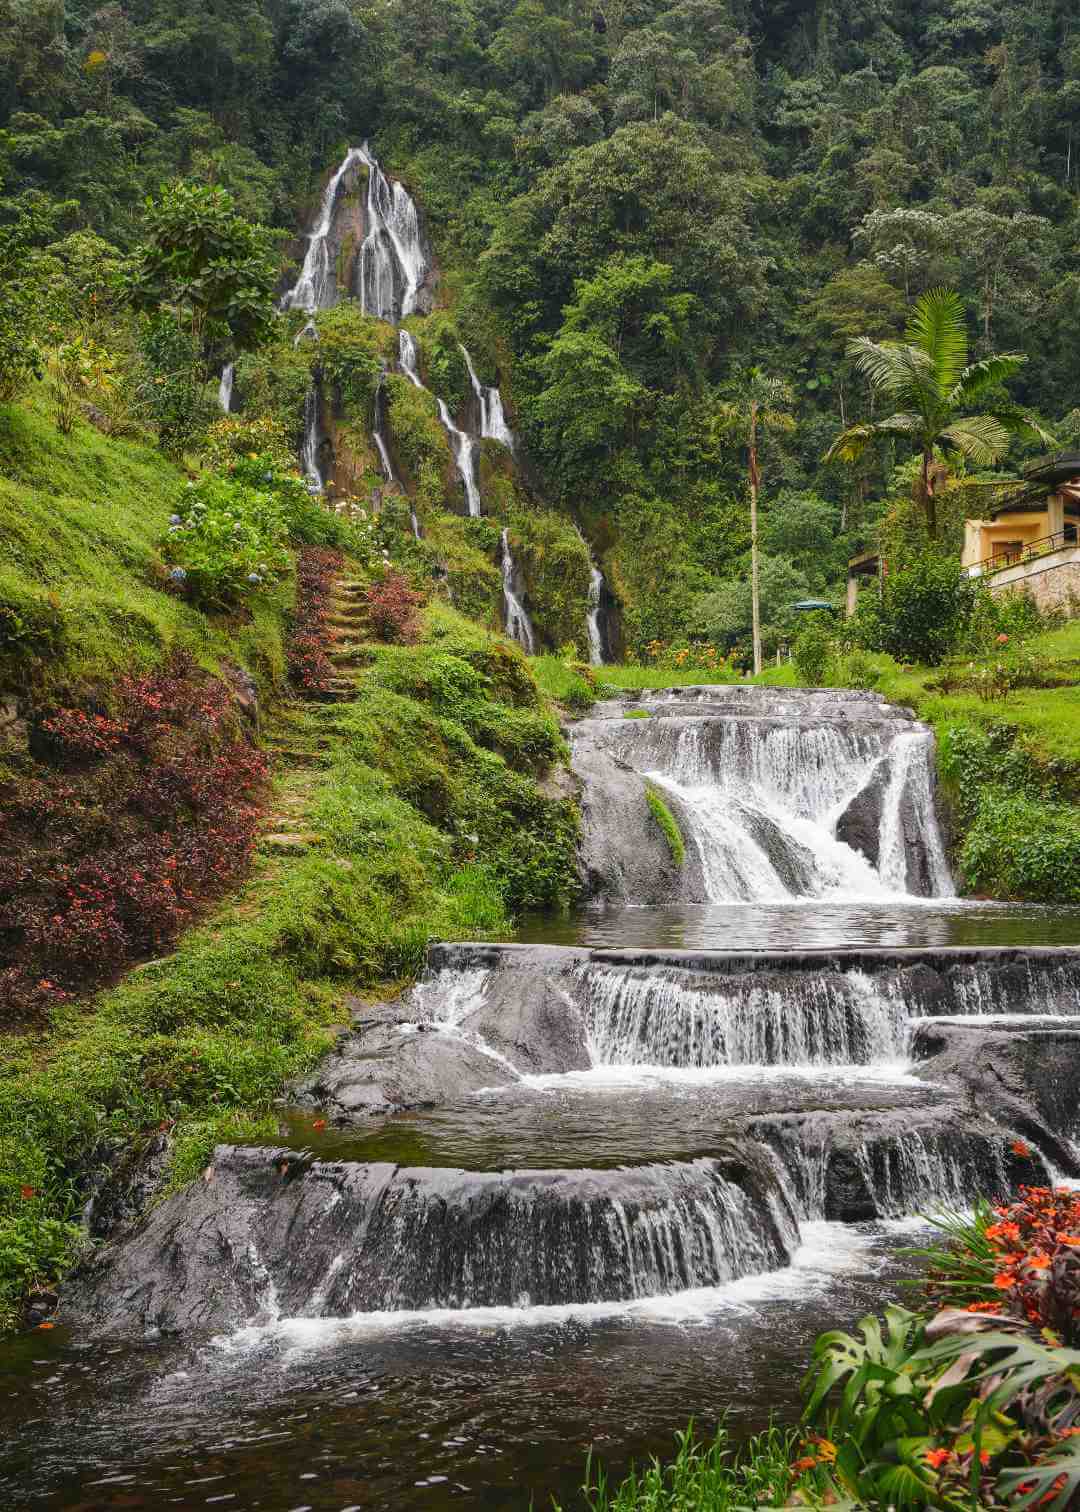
(626, 675)
(708, 1477)
(562, 682)
(81, 580)
(667, 822)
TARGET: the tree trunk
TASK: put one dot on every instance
(926, 489)
(755, 592)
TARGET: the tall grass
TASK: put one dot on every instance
(702, 1477)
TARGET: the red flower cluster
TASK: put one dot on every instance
(107, 864)
(309, 666)
(79, 736)
(391, 609)
(1037, 1244)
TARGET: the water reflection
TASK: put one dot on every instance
(808, 925)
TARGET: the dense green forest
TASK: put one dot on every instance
(633, 202)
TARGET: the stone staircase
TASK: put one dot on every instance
(297, 742)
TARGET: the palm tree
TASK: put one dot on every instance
(932, 387)
(757, 402)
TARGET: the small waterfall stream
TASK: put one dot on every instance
(518, 624)
(489, 404)
(225, 387)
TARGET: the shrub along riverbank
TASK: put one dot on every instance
(970, 1401)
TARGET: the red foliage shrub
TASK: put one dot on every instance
(1037, 1243)
(391, 609)
(309, 666)
(110, 862)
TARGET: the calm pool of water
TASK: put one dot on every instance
(809, 925)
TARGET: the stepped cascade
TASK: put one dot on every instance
(595, 1127)
(778, 795)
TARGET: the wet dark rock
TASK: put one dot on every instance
(624, 855)
(860, 823)
(376, 1237)
(122, 1182)
(384, 1067)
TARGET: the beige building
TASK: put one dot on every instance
(1032, 538)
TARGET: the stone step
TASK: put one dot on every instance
(288, 843)
(300, 758)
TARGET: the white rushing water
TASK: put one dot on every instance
(462, 445)
(225, 387)
(393, 263)
(763, 796)
(593, 616)
(316, 287)
(518, 624)
(489, 402)
(309, 447)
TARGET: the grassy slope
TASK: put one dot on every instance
(80, 520)
(433, 765)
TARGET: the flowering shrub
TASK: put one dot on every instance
(689, 656)
(237, 437)
(309, 666)
(391, 609)
(227, 541)
(151, 814)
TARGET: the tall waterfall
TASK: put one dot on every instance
(225, 387)
(489, 404)
(316, 287)
(779, 795)
(518, 624)
(392, 263)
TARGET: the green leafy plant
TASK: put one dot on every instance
(667, 822)
(813, 651)
(227, 541)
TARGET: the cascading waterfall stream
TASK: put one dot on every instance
(594, 616)
(225, 387)
(392, 260)
(310, 446)
(489, 403)
(316, 287)
(518, 624)
(462, 445)
(778, 805)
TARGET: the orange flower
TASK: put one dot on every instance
(26, 1192)
(318, 1124)
(1020, 1148)
(1038, 1261)
(1004, 1281)
(46, 1325)
(984, 1307)
(806, 1463)
(937, 1457)
(1072, 1240)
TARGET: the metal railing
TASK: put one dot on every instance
(1029, 552)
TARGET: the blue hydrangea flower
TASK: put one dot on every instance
(253, 577)
(178, 575)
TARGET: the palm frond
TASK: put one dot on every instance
(1019, 423)
(977, 378)
(888, 366)
(937, 327)
(850, 444)
(982, 438)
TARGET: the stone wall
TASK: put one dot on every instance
(1053, 581)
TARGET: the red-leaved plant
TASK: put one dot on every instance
(310, 668)
(392, 606)
(134, 821)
